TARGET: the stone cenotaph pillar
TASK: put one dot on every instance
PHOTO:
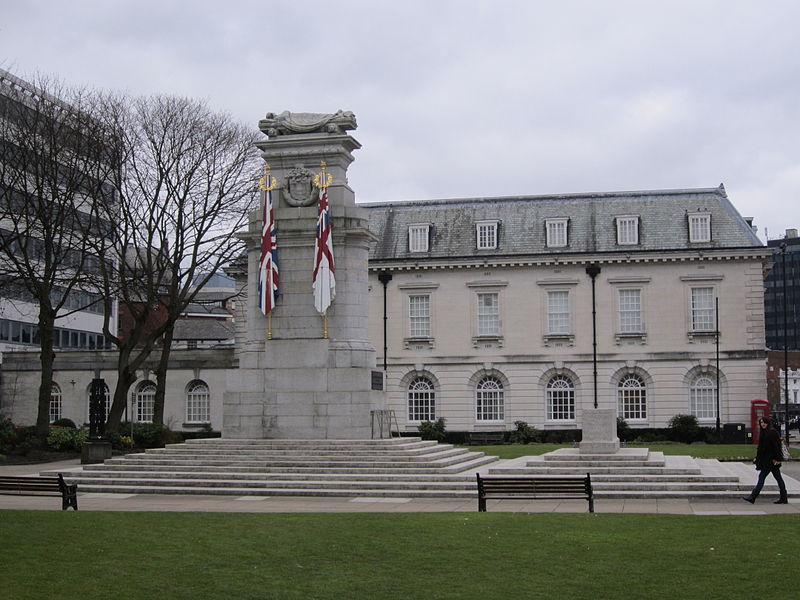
(302, 375)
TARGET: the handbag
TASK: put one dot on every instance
(785, 450)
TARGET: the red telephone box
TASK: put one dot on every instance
(758, 409)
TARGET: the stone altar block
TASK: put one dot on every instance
(298, 384)
(599, 431)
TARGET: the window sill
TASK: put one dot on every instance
(419, 342)
(566, 424)
(702, 336)
(487, 340)
(566, 339)
(196, 424)
(628, 338)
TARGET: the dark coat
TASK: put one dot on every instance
(769, 449)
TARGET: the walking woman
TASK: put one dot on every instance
(768, 460)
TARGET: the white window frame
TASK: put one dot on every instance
(702, 309)
(557, 232)
(489, 400)
(703, 398)
(630, 312)
(55, 409)
(627, 230)
(419, 316)
(421, 400)
(198, 402)
(488, 316)
(144, 400)
(486, 235)
(699, 227)
(558, 316)
(419, 238)
(560, 399)
(632, 398)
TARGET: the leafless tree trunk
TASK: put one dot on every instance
(188, 182)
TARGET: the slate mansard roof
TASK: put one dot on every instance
(662, 222)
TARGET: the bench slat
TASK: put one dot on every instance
(40, 486)
(534, 488)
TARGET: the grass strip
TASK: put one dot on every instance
(101, 555)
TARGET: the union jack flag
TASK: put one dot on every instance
(324, 281)
(268, 265)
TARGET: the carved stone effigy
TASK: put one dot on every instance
(287, 123)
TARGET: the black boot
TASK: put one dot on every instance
(782, 500)
(749, 499)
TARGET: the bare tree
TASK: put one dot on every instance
(187, 184)
(56, 162)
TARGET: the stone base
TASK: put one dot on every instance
(599, 431)
(95, 451)
(302, 389)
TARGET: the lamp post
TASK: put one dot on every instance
(384, 277)
(716, 391)
(785, 343)
(593, 271)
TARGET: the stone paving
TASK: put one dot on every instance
(249, 504)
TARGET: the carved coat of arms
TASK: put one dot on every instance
(298, 190)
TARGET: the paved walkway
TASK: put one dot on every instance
(293, 504)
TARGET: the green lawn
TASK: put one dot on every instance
(149, 555)
(722, 451)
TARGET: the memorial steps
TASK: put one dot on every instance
(640, 473)
(399, 468)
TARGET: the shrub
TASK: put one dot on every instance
(65, 439)
(432, 430)
(7, 435)
(525, 434)
(684, 429)
(145, 435)
(64, 423)
(623, 430)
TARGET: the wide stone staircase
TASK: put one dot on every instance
(398, 467)
(640, 473)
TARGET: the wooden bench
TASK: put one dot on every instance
(41, 486)
(485, 437)
(537, 488)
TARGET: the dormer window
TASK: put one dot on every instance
(556, 232)
(418, 238)
(699, 227)
(627, 231)
(486, 235)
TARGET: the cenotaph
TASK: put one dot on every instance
(302, 374)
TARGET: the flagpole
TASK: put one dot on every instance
(269, 326)
(325, 325)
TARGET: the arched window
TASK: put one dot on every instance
(560, 399)
(106, 397)
(489, 400)
(703, 397)
(55, 403)
(421, 400)
(197, 402)
(145, 398)
(632, 398)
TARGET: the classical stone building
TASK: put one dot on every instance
(489, 308)
(482, 311)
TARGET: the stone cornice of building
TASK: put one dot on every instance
(581, 259)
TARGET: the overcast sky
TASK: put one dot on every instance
(468, 98)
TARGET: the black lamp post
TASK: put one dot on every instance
(384, 277)
(716, 391)
(593, 271)
(785, 343)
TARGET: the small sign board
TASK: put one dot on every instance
(377, 381)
